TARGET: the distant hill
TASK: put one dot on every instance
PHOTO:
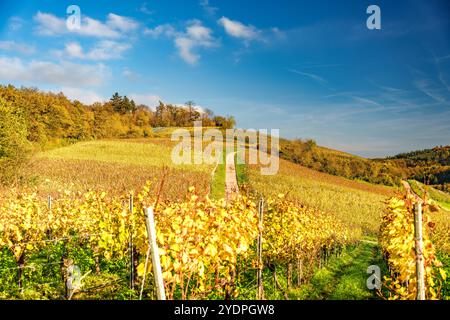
(308, 154)
(436, 156)
(430, 166)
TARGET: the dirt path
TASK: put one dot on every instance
(231, 185)
(409, 190)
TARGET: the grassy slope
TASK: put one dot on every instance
(358, 204)
(117, 166)
(121, 151)
(442, 198)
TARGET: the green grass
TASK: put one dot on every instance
(218, 179)
(241, 172)
(218, 183)
(415, 186)
(217, 190)
(445, 259)
(344, 277)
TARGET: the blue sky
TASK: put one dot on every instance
(309, 68)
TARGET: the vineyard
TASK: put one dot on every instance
(207, 247)
(288, 236)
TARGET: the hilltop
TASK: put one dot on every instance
(431, 165)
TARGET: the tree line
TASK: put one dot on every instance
(32, 119)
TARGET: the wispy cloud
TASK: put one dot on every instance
(443, 58)
(103, 50)
(39, 72)
(115, 26)
(161, 30)
(130, 74)
(145, 9)
(441, 75)
(15, 23)
(17, 47)
(365, 101)
(209, 9)
(427, 88)
(312, 76)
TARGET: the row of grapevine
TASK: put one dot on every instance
(297, 235)
(397, 239)
(203, 244)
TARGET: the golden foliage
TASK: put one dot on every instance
(397, 240)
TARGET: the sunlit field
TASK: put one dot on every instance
(357, 204)
(117, 166)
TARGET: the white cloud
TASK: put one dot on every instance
(196, 107)
(185, 48)
(188, 42)
(210, 10)
(49, 24)
(198, 32)
(15, 23)
(163, 29)
(150, 100)
(121, 23)
(74, 50)
(38, 72)
(238, 29)
(103, 50)
(196, 36)
(144, 9)
(84, 96)
(16, 46)
(114, 27)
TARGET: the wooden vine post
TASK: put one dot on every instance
(420, 271)
(131, 247)
(260, 294)
(157, 273)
